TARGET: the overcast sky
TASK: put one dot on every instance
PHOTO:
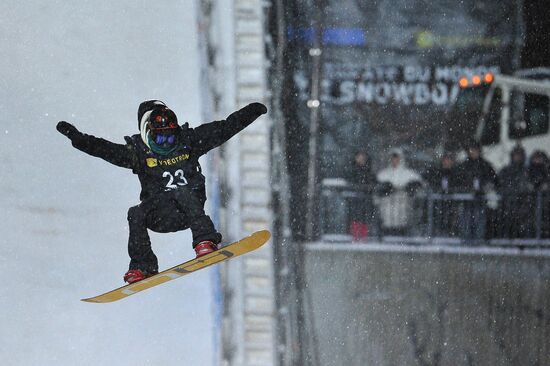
(64, 233)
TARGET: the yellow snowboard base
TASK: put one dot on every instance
(232, 250)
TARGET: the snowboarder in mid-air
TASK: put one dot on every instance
(165, 157)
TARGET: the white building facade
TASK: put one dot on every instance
(234, 64)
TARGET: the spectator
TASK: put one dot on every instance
(475, 176)
(516, 201)
(539, 178)
(538, 173)
(443, 179)
(362, 179)
(395, 183)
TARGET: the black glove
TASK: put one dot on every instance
(385, 189)
(257, 108)
(413, 187)
(246, 115)
(67, 129)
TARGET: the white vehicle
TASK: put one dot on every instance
(516, 110)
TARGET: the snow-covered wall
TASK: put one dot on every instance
(398, 305)
(63, 231)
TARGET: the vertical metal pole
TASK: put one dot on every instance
(314, 103)
(284, 251)
(311, 217)
(430, 216)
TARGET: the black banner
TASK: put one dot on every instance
(391, 69)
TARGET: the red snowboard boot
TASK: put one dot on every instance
(135, 275)
(205, 247)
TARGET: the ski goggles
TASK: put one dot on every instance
(164, 136)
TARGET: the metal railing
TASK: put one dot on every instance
(349, 213)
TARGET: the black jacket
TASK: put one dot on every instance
(513, 179)
(361, 176)
(161, 173)
(442, 180)
(474, 175)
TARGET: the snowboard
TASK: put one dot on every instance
(229, 251)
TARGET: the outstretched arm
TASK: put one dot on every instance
(213, 134)
(117, 154)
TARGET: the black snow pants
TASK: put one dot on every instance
(165, 213)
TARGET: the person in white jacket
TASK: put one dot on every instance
(394, 202)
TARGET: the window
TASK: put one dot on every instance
(471, 98)
(462, 120)
(532, 118)
(491, 129)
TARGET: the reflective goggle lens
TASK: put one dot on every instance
(161, 139)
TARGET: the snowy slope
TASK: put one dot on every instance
(63, 229)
